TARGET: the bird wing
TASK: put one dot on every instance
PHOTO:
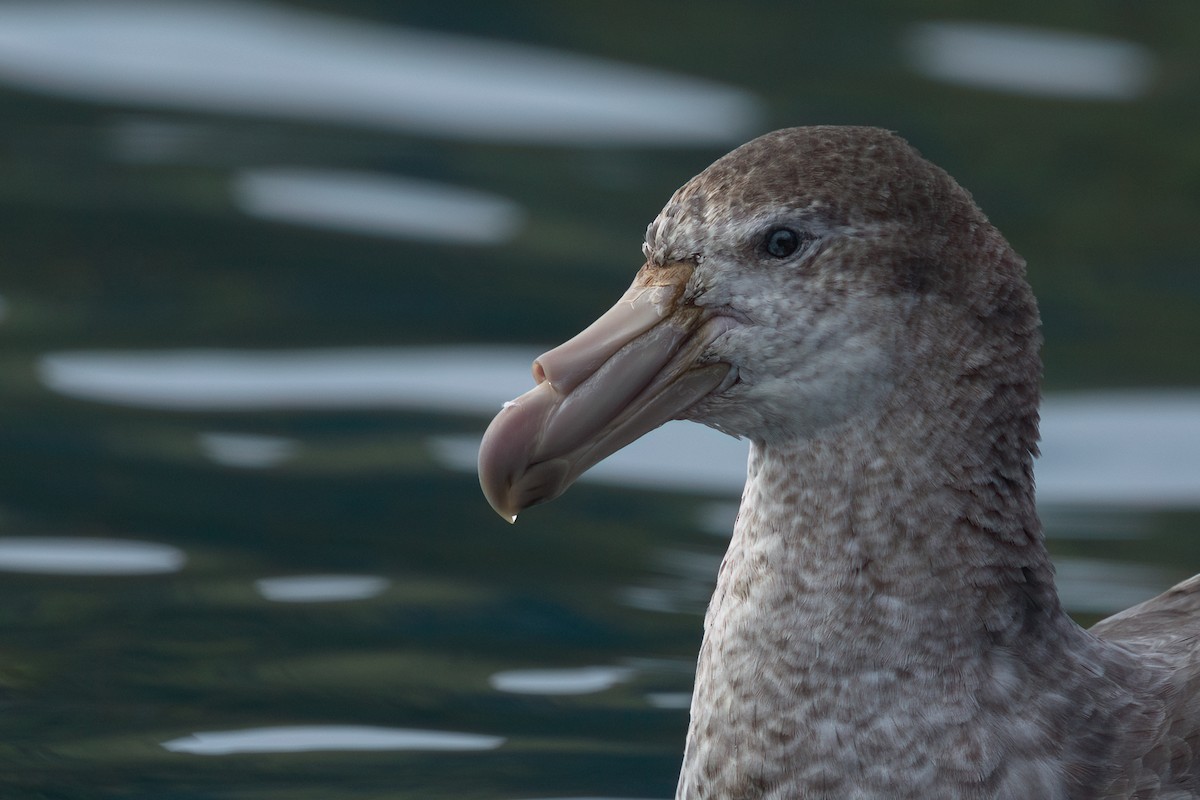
(1168, 624)
(1164, 631)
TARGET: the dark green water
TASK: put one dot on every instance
(243, 350)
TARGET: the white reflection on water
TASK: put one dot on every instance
(325, 738)
(267, 60)
(247, 450)
(670, 700)
(64, 555)
(581, 680)
(321, 588)
(1121, 448)
(1101, 448)
(384, 205)
(455, 379)
(1030, 60)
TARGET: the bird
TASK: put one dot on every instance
(885, 622)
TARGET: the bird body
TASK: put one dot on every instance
(885, 622)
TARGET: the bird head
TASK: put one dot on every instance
(791, 287)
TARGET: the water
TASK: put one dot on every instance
(266, 271)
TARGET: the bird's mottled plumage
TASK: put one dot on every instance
(885, 622)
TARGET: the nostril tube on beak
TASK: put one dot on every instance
(569, 364)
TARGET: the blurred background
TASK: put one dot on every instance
(267, 271)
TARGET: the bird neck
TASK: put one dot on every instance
(927, 505)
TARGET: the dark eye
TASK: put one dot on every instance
(782, 242)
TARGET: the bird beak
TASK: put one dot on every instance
(636, 367)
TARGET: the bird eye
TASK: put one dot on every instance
(782, 242)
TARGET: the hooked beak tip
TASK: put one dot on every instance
(500, 499)
(501, 505)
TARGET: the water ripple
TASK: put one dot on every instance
(247, 450)
(267, 60)
(582, 680)
(324, 738)
(383, 205)
(66, 555)
(1031, 61)
(321, 588)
